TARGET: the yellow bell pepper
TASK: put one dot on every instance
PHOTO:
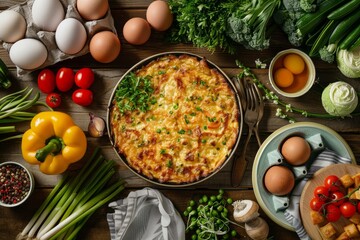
(53, 142)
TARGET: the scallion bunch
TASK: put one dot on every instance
(73, 200)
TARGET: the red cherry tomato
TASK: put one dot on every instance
(316, 204)
(332, 213)
(347, 209)
(333, 183)
(82, 97)
(322, 193)
(53, 100)
(84, 78)
(46, 81)
(358, 207)
(64, 79)
(338, 198)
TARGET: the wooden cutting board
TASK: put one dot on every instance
(307, 194)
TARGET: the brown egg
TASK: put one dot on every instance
(92, 9)
(136, 31)
(159, 15)
(296, 150)
(105, 46)
(279, 180)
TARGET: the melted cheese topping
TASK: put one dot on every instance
(191, 129)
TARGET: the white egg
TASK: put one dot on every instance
(47, 14)
(13, 26)
(70, 36)
(28, 53)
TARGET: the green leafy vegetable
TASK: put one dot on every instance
(202, 23)
(134, 93)
(248, 24)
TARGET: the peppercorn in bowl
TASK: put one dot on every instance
(16, 184)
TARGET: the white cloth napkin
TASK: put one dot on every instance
(145, 215)
(292, 213)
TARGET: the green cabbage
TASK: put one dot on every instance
(339, 99)
(348, 62)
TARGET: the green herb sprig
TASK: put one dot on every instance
(134, 93)
(283, 107)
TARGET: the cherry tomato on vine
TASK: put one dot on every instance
(316, 204)
(332, 213)
(347, 209)
(64, 79)
(53, 100)
(333, 183)
(84, 78)
(82, 97)
(322, 193)
(46, 81)
(338, 198)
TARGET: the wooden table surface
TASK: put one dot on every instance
(13, 220)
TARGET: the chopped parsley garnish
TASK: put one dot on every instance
(182, 131)
(211, 119)
(134, 93)
(186, 119)
(205, 127)
(176, 106)
(198, 109)
(162, 151)
(158, 130)
(169, 163)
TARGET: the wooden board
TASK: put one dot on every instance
(307, 194)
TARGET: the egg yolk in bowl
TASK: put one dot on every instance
(290, 73)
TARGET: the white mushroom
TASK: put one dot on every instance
(245, 210)
(257, 229)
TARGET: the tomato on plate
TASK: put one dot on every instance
(333, 183)
(332, 213)
(322, 193)
(53, 100)
(64, 79)
(316, 204)
(84, 78)
(46, 81)
(347, 209)
(337, 198)
(82, 97)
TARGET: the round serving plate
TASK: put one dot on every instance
(331, 140)
(308, 193)
(146, 61)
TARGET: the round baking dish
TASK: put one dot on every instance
(237, 100)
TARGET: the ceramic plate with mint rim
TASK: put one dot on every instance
(330, 139)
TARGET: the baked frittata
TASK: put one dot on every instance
(190, 127)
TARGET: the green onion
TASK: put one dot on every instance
(74, 199)
(15, 107)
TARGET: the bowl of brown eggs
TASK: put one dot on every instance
(284, 159)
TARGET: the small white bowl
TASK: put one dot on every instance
(311, 70)
(31, 188)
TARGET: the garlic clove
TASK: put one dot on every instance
(257, 229)
(245, 210)
(96, 127)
